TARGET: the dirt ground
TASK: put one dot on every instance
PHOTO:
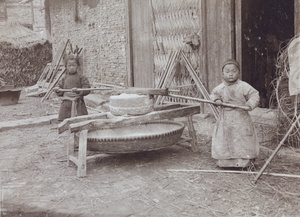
(35, 179)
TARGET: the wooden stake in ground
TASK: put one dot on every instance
(277, 149)
(233, 172)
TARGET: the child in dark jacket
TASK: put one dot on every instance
(73, 103)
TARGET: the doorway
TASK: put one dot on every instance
(266, 27)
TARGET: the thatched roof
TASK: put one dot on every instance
(18, 35)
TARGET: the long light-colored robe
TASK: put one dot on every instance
(234, 136)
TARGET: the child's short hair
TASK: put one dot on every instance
(72, 57)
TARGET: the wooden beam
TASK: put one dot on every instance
(31, 122)
(128, 121)
(63, 126)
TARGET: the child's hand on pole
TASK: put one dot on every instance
(74, 90)
(218, 102)
(77, 92)
(246, 107)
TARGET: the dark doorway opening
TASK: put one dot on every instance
(266, 26)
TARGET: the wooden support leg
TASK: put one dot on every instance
(192, 133)
(70, 148)
(81, 170)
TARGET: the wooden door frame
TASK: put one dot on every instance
(129, 44)
(296, 17)
(238, 31)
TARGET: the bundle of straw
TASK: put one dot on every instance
(288, 105)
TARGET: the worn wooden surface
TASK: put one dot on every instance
(127, 121)
(141, 43)
(64, 125)
(7, 125)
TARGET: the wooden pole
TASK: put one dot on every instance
(234, 172)
(199, 84)
(128, 90)
(277, 149)
(209, 101)
(83, 89)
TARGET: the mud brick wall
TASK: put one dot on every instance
(97, 26)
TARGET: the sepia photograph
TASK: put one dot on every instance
(159, 108)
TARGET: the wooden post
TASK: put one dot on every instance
(192, 133)
(81, 170)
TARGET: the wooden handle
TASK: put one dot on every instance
(209, 101)
(83, 89)
(129, 90)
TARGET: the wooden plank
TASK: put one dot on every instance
(31, 122)
(128, 121)
(64, 125)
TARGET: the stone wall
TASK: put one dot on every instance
(97, 26)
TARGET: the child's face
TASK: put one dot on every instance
(231, 73)
(72, 66)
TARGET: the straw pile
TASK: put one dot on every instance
(24, 54)
(288, 109)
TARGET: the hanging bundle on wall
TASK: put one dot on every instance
(193, 41)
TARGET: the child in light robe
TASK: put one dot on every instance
(234, 141)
